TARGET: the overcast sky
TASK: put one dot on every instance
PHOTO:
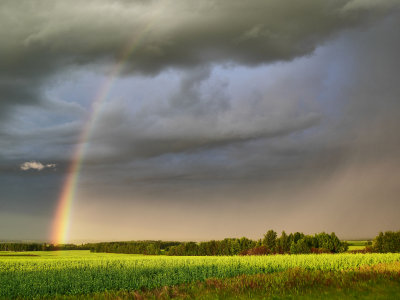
(228, 117)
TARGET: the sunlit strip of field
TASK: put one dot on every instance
(83, 273)
(356, 245)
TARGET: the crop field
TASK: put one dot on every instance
(84, 273)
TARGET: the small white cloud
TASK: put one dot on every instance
(35, 165)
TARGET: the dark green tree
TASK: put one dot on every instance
(269, 240)
(283, 243)
(301, 247)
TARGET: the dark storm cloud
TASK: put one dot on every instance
(199, 116)
(315, 116)
(42, 37)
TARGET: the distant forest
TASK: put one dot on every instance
(293, 243)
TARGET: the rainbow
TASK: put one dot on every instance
(62, 217)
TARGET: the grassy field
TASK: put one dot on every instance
(83, 273)
(356, 245)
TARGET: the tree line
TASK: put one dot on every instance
(133, 247)
(20, 247)
(293, 243)
(228, 246)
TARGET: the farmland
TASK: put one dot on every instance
(356, 245)
(55, 273)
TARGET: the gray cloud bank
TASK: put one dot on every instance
(307, 110)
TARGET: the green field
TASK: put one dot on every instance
(356, 245)
(85, 273)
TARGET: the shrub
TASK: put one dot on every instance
(320, 250)
(262, 250)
